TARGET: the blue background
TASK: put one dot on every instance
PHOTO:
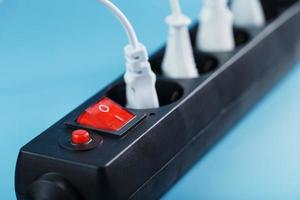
(55, 54)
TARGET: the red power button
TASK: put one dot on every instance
(80, 137)
(105, 115)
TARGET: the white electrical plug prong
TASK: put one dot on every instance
(139, 78)
(215, 32)
(248, 13)
(179, 60)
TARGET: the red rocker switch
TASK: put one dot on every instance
(105, 115)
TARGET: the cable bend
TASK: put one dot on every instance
(133, 40)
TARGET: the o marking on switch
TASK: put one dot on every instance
(104, 108)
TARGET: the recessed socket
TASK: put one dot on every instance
(205, 62)
(241, 36)
(168, 92)
(273, 8)
(156, 61)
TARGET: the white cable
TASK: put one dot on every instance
(124, 21)
(139, 78)
(176, 10)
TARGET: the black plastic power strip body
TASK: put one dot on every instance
(147, 157)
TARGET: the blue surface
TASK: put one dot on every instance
(55, 54)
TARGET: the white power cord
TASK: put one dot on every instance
(179, 60)
(139, 78)
(124, 21)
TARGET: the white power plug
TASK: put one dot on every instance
(215, 32)
(179, 61)
(139, 78)
(248, 13)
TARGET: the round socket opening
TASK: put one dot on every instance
(205, 62)
(241, 37)
(168, 92)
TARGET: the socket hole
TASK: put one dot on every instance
(168, 92)
(205, 63)
(240, 36)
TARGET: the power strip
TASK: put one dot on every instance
(147, 151)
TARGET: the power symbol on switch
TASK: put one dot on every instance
(104, 108)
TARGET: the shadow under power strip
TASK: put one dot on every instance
(147, 151)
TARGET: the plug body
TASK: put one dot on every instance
(215, 32)
(179, 60)
(248, 13)
(140, 79)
